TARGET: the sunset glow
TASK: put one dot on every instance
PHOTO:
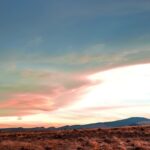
(117, 91)
(73, 62)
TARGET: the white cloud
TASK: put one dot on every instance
(128, 85)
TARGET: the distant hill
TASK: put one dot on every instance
(134, 121)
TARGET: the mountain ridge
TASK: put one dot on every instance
(132, 121)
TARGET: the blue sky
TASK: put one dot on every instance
(51, 47)
(31, 28)
(40, 26)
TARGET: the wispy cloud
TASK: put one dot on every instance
(98, 56)
(53, 91)
(60, 87)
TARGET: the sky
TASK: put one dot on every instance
(73, 61)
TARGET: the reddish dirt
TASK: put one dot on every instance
(125, 138)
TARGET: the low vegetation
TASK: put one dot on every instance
(125, 138)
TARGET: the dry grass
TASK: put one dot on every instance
(127, 138)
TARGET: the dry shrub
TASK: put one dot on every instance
(126, 138)
(14, 145)
(140, 145)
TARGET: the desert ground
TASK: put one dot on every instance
(124, 138)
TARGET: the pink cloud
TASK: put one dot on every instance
(21, 104)
(49, 98)
(40, 90)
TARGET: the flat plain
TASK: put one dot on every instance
(124, 138)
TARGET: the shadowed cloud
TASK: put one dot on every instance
(53, 91)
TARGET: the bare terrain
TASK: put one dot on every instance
(123, 138)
